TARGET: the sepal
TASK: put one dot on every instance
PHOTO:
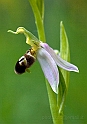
(30, 38)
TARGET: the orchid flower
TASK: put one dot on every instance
(47, 58)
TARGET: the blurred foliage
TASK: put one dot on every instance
(23, 98)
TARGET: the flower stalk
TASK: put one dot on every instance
(39, 16)
(57, 118)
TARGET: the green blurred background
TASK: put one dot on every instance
(23, 98)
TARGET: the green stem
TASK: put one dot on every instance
(57, 118)
(38, 20)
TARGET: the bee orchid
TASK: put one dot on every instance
(47, 58)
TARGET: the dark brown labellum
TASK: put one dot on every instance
(24, 62)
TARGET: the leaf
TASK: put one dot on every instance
(63, 74)
(64, 51)
(61, 92)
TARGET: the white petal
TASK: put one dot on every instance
(49, 68)
(59, 61)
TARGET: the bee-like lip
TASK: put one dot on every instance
(24, 62)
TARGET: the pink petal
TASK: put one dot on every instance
(59, 61)
(49, 68)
